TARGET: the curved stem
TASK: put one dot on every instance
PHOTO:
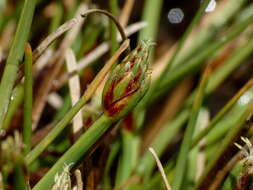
(68, 25)
(120, 28)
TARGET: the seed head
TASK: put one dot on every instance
(128, 82)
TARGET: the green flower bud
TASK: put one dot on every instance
(128, 82)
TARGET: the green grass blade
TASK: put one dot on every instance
(150, 31)
(32, 155)
(15, 56)
(19, 182)
(240, 54)
(185, 147)
(27, 128)
(128, 158)
(221, 113)
(16, 99)
(115, 147)
(76, 152)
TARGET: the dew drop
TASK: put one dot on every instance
(175, 15)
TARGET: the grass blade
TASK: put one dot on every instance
(185, 147)
(16, 53)
(28, 93)
(76, 152)
(75, 109)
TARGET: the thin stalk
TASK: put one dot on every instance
(112, 155)
(15, 55)
(113, 4)
(69, 25)
(228, 121)
(120, 28)
(152, 20)
(185, 147)
(64, 108)
(221, 113)
(209, 172)
(196, 163)
(128, 158)
(16, 99)
(76, 152)
(60, 126)
(28, 92)
(19, 182)
(155, 8)
(160, 167)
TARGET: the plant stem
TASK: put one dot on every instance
(19, 182)
(15, 55)
(120, 28)
(32, 155)
(109, 163)
(77, 151)
(221, 113)
(75, 109)
(150, 32)
(28, 92)
(128, 158)
(153, 7)
(17, 98)
(185, 147)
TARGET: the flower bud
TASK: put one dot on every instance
(128, 82)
